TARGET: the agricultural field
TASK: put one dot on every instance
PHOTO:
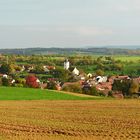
(71, 120)
(127, 58)
(123, 58)
(130, 65)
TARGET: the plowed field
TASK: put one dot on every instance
(76, 120)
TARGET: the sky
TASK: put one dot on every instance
(69, 23)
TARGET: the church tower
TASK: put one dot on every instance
(66, 64)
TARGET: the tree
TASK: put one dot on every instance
(122, 85)
(17, 68)
(99, 59)
(118, 66)
(6, 68)
(100, 72)
(61, 74)
(134, 87)
(100, 65)
(51, 85)
(31, 81)
(73, 87)
(38, 69)
(5, 81)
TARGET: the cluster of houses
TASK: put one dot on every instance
(102, 83)
(29, 68)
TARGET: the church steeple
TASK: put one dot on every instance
(66, 64)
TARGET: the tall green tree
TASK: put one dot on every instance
(6, 68)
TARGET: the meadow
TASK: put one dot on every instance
(70, 120)
(127, 58)
(15, 93)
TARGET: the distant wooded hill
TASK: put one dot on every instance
(90, 50)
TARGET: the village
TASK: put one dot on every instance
(70, 79)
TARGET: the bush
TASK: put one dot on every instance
(101, 93)
(92, 91)
(21, 81)
(100, 72)
(51, 85)
(110, 94)
(86, 90)
(6, 68)
(5, 81)
(134, 87)
(122, 85)
(95, 92)
(18, 85)
(73, 88)
(0, 81)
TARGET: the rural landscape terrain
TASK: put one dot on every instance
(59, 97)
(85, 73)
(69, 69)
(62, 119)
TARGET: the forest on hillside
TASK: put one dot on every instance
(86, 50)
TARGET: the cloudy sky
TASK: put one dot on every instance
(69, 23)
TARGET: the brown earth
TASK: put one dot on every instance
(70, 120)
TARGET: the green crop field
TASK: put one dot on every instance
(126, 58)
(122, 58)
(14, 93)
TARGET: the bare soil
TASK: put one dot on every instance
(80, 120)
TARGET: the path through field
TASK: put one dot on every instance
(76, 120)
(80, 95)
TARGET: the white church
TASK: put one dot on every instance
(75, 71)
(66, 64)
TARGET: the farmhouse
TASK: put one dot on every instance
(89, 75)
(101, 79)
(75, 71)
(46, 69)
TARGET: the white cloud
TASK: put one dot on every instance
(93, 31)
(82, 30)
(128, 6)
